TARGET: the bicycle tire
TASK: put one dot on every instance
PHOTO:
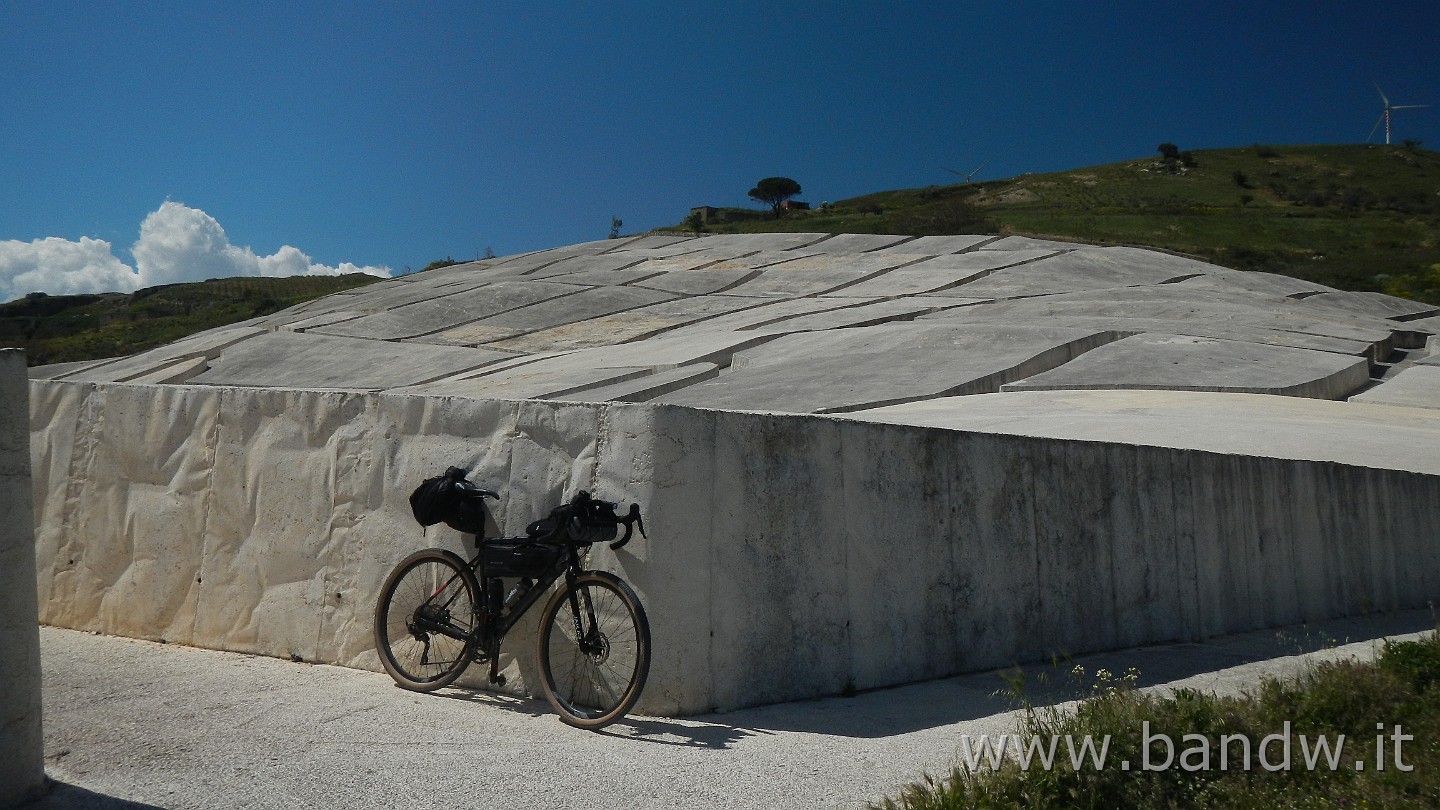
(421, 660)
(593, 684)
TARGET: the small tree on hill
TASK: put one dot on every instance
(774, 191)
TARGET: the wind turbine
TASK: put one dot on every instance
(971, 174)
(1385, 116)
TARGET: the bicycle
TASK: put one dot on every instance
(438, 613)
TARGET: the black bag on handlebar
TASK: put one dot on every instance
(582, 521)
(437, 501)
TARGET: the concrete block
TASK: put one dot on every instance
(1372, 304)
(860, 243)
(845, 370)
(22, 743)
(1074, 271)
(641, 389)
(1180, 363)
(281, 359)
(938, 273)
(446, 312)
(207, 345)
(934, 245)
(591, 303)
(631, 325)
(1414, 387)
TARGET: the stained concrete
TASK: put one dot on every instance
(1183, 363)
(323, 361)
(1035, 523)
(1416, 387)
(1029, 521)
(22, 767)
(842, 370)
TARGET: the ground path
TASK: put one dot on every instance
(132, 724)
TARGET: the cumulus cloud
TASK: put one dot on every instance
(177, 243)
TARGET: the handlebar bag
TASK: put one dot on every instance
(437, 501)
(582, 521)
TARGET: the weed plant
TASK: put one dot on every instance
(1362, 701)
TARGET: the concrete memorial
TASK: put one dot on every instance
(864, 459)
(22, 770)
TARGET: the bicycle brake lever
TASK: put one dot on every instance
(630, 520)
(639, 521)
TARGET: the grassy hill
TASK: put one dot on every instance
(62, 328)
(1355, 217)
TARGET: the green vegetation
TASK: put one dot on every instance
(1353, 217)
(774, 191)
(1363, 701)
(64, 328)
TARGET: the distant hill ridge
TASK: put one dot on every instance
(1364, 217)
(67, 328)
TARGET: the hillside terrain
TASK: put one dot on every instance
(1363, 217)
(65, 328)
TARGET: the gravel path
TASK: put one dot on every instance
(133, 724)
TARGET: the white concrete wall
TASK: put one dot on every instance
(22, 747)
(789, 555)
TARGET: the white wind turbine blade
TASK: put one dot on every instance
(1378, 121)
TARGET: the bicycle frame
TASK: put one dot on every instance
(490, 630)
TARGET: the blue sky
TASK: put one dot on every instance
(263, 138)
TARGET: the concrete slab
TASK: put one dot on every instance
(939, 273)
(56, 370)
(1074, 271)
(642, 389)
(584, 305)
(586, 264)
(1253, 425)
(1430, 325)
(449, 311)
(323, 319)
(843, 370)
(288, 360)
(859, 243)
(599, 277)
(1414, 387)
(653, 241)
(180, 371)
(758, 316)
(1253, 281)
(1028, 243)
(1194, 327)
(659, 353)
(1178, 301)
(1185, 363)
(817, 275)
(628, 326)
(939, 244)
(529, 381)
(870, 314)
(205, 344)
(698, 280)
(1373, 304)
(766, 241)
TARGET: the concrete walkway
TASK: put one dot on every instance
(132, 724)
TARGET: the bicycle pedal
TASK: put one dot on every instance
(498, 680)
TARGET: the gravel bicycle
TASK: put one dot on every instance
(437, 612)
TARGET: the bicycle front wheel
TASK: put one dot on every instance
(425, 620)
(593, 650)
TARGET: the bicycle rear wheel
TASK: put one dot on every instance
(425, 620)
(593, 650)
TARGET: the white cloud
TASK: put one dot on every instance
(61, 267)
(177, 243)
